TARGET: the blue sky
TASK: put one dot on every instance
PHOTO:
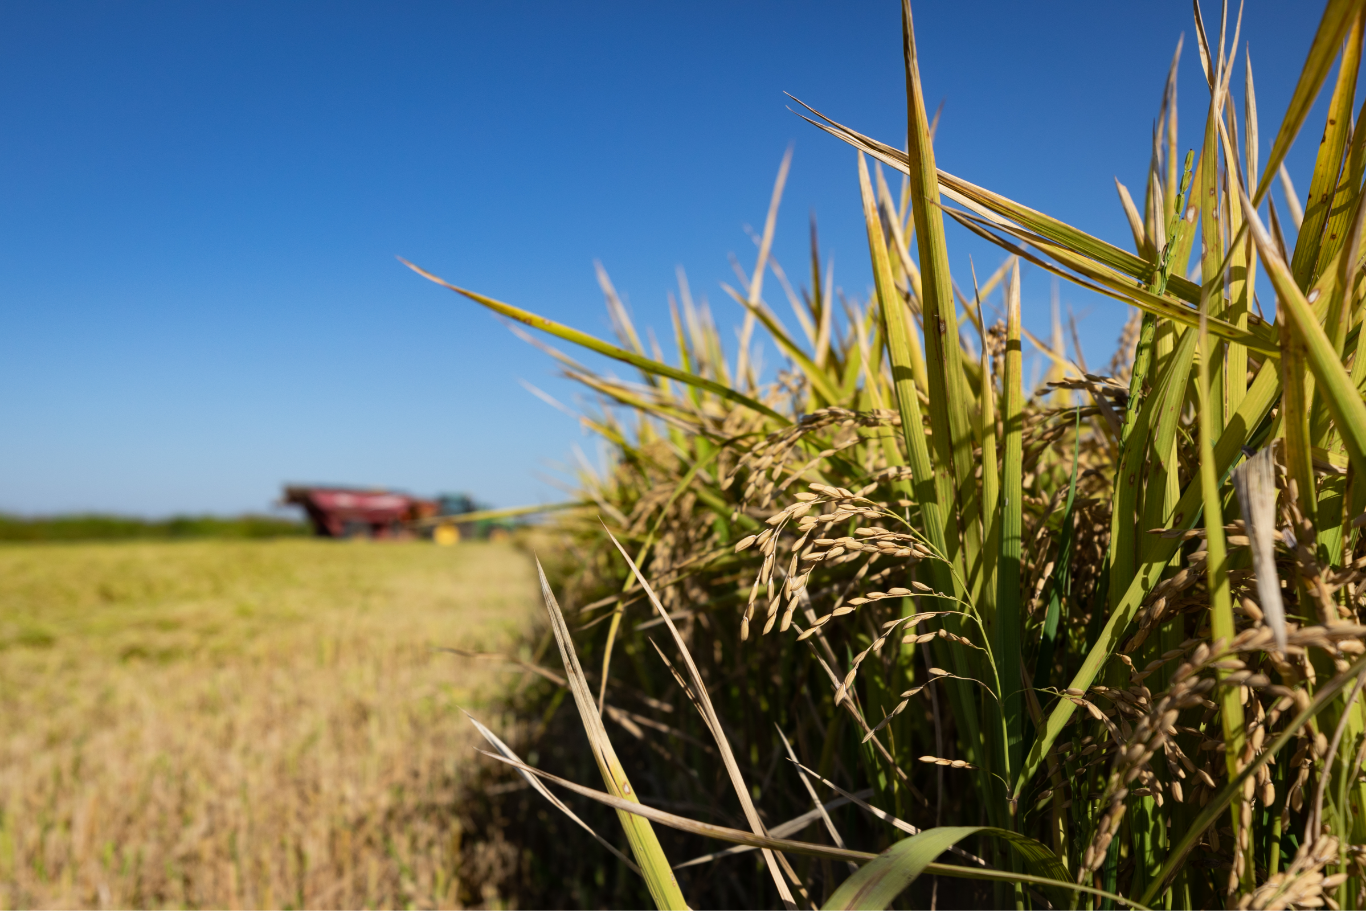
(200, 206)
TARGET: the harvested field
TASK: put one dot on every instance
(247, 724)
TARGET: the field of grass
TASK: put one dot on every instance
(247, 723)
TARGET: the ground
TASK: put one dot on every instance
(247, 724)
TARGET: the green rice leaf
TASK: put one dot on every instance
(1260, 337)
(1328, 161)
(819, 379)
(654, 865)
(950, 416)
(712, 720)
(1220, 600)
(1337, 18)
(1046, 226)
(878, 882)
(903, 374)
(1008, 628)
(1334, 384)
(593, 344)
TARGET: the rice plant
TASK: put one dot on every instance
(1092, 645)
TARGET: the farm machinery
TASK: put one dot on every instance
(349, 512)
(353, 512)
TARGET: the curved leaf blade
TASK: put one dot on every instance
(881, 880)
(1337, 18)
(594, 344)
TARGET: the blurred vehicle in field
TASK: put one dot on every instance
(348, 512)
(356, 512)
(459, 517)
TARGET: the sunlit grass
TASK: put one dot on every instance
(246, 724)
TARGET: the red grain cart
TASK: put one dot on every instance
(343, 512)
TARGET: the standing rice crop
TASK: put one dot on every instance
(896, 621)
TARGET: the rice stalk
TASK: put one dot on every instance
(1119, 618)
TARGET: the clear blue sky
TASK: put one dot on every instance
(200, 206)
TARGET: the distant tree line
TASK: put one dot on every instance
(98, 527)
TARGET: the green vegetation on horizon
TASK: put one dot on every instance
(104, 527)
